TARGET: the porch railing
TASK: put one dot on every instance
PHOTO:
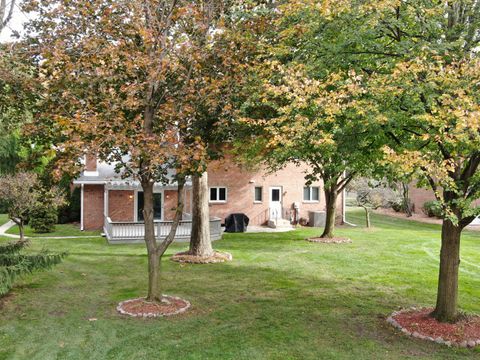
(131, 232)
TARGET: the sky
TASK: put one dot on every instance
(16, 24)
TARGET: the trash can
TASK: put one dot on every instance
(236, 223)
(317, 218)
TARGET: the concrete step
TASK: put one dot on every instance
(279, 224)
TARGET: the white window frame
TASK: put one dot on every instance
(310, 194)
(255, 201)
(217, 188)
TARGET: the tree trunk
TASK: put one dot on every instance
(407, 207)
(331, 200)
(200, 241)
(367, 217)
(21, 230)
(154, 292)
(447, 296)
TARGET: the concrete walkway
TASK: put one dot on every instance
(5, 227)
(266, 229)
(9, 224)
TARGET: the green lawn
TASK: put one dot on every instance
(281, 298)
(3, 219)
(60, 230)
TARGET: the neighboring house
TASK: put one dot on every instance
(108, 199)
(419, 196)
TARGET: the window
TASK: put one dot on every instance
(311, 193)
(258, 194)
(218, 194)
(275, 195)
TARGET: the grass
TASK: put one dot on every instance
(60, 230)
(281, 298)
(3, 219)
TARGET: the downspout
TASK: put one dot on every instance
(344, 206)
(81, 207)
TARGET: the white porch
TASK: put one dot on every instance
(133, 232)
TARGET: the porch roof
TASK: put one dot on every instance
(106, 175)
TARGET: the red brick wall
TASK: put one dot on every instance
(93, 207)
(240, 185)
(90, 163)
(420, 196)
(169, 204)
(121, 205)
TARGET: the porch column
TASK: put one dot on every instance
(105, 201)
(81, 207)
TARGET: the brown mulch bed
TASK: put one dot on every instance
(140, 307)
(419, 324)
(335, 240)
(217, 257)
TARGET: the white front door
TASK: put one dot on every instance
(275, 203)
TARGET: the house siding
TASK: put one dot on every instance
(241, 183)
(121, 205)
(93, 207)
(169, 204)
(419, 196)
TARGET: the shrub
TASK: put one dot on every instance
(71, 211)
(43, 218)
(401, 207)
(14, 264)
(397, 206)
(433, 209)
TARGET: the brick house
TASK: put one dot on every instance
(419, 196)
(233, 189)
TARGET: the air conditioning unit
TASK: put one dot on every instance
(317, 218)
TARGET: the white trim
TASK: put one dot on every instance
(90, 173)
(273, 211)
(254, 194)
(135, 205)
(94, 182)
(310, 194)
(274, 188)
(105, 201)
(218, 193)
(82, 206)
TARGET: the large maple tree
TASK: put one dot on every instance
(419, 60)
(118, 76)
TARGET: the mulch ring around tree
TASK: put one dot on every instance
(419, 324)
(140, 307)
(216, 257)
(335, 240)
